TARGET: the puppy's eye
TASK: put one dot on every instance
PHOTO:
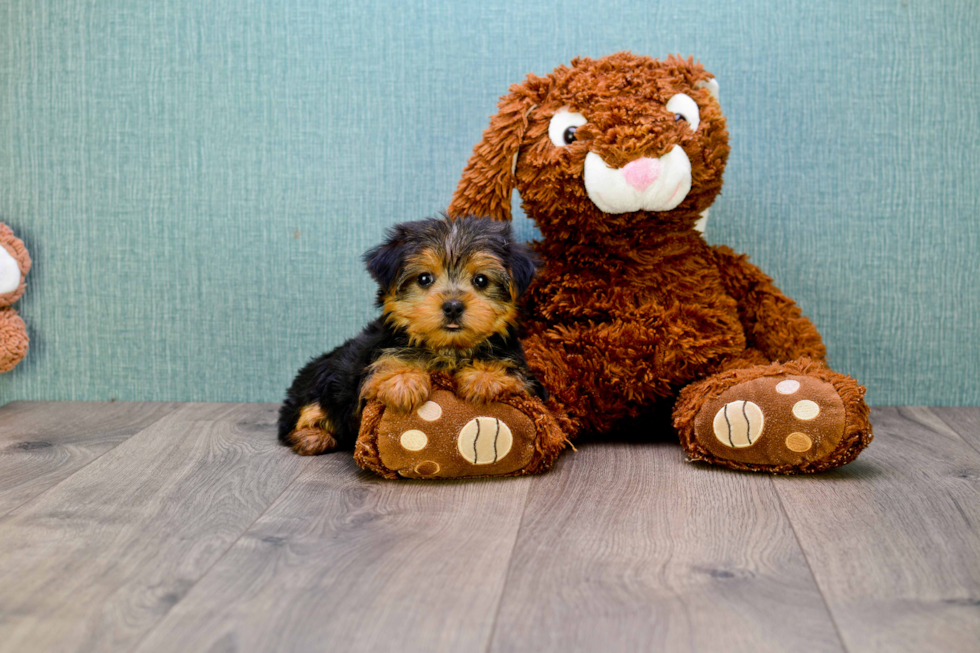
(481, 281)
(685, 108)
(561, 129)
(425, 279)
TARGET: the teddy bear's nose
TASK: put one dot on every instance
(642, 172)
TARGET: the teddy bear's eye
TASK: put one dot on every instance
(425, 279)
(685, 108)
(561, 129)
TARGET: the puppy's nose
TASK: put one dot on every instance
(453, 308)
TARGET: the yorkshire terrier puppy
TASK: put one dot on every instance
(448, 291)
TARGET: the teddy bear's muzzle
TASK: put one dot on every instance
(643, 184)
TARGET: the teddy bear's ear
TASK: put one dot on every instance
(712, 86)
(488, 179)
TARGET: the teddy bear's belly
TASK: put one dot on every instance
(637, 342)
(678, 339)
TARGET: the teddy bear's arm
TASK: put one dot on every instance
(773, 323)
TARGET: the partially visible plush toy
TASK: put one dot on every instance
(14, 265)
(633, 314)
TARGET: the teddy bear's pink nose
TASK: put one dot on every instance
(642, 172)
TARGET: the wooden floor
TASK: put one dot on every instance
(184, 527)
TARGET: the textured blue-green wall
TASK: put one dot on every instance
(196, 180)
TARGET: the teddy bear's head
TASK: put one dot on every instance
(612, 148)
(14, 266)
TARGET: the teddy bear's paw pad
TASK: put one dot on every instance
(773, 421)
(450, 438)
(484, 441)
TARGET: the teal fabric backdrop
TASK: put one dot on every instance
(197, 180)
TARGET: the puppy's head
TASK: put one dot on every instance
(450, 283)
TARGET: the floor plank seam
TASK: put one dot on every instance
(806, 559)
(106, 452)
(207, 571)
(969, 443)
(510, 564)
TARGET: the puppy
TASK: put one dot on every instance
(448, 291)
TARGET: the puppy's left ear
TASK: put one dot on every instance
(385, 261)
(522, 265)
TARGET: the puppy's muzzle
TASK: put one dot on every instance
(453, 310)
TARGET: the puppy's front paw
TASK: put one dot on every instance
(403, 390)
(486, 382)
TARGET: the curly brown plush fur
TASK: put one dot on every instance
(13, 332)
(631, 304)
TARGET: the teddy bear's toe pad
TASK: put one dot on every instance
(773, 420)
(448, 438)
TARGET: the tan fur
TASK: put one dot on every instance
(312, 442)
(313, 434)
(311, 416)
(486, 381)
(418, 310)
(399, 384)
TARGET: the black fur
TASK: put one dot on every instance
(385, 262)
(334, 379)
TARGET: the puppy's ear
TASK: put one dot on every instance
(386, 260)
(522, 265)
(488, 179)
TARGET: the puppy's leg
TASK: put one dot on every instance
(314, 434)
(486, 381)
(398, 384)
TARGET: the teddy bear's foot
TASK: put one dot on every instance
(795, 418)
(450, 438)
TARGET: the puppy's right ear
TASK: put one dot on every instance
(385, 261)
(488, 179)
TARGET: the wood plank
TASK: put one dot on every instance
(894, 538)
(44, 442)
(96, 561)
(346, 561)
(965, 420)
(630, 548)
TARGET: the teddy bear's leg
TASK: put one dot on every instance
(785, 418)
(447, 437)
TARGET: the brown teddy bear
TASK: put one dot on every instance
(14, 265)
(632, 313)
